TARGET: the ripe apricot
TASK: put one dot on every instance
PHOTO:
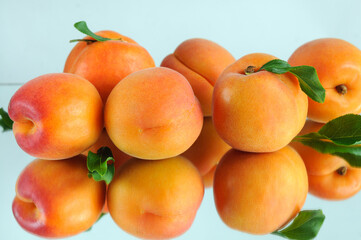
(201, 61)
(153, 114)
(56, 116)
(259, 192)
(338, 65)
(155, 199)
(259, 111)
(104, 64)
(207, 151)
(329, 177)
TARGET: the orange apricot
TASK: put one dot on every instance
(201, 61)
(259, 111)
(106, 63)
(153, 114)
(56, 116)
(338, 65)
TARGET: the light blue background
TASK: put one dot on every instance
(35, 40)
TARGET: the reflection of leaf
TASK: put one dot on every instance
(101, 215)
(305, 226)
(340, 137)
(352, 154)
(98, 165)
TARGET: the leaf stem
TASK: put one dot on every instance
(88, 41)
(83, 28)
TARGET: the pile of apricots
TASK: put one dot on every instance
(201, 119)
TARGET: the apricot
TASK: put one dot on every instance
(155, 199)
(57, 199)
(259, 111)
(338, 65)
(106, 63)
(258, 193)
(153, 114)
(207, 151)
(56, 116)
(201, 61)
(329, 177)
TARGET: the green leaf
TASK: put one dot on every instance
(344, 130)
(5, 122)
(276, 66)
(98, 165)
(305, 226)
(83, 28)
(306, 75)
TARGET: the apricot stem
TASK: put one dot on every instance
(341, 89)
(342, 171)
(249, 70)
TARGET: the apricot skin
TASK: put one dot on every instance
(322, 169)
(57, 199)
(104, 64)
(153, 114)
(337, 63)
(201, 61)
(207, 151)
(155, 199)
(260, 112)
(258, 193)
(56, 116)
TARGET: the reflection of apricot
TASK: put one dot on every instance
(201, 61)
(56, 199)
(209, 176)
(104, 64)
(207, 150)
(259, 192)
(258, 112)
(338, 65)
(329, 176)
(155, 199)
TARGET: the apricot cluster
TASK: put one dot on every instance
(202, 119)
(338, 65)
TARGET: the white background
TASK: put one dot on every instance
(35, 40)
